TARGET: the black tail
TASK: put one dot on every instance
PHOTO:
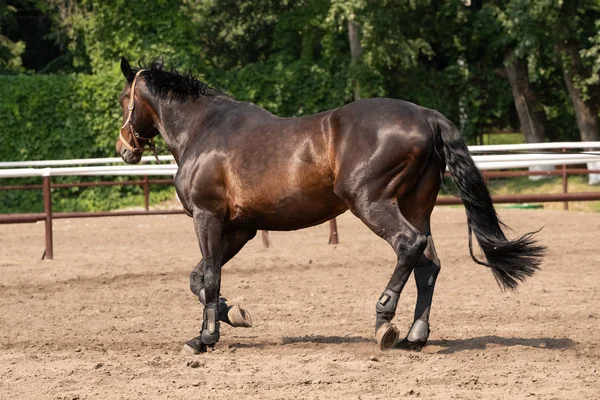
(511, 261)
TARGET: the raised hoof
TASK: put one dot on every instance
(239, 317)
(195, 346)
(404, 344)
(386, 336)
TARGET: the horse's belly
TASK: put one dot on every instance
(296, 211)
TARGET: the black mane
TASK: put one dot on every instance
(173, 85)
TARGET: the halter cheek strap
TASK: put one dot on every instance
(129, 123)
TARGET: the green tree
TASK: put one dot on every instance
(279, 54)
(96, 33)
(10, 51)
(559, 32)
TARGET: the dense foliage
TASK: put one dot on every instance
(59, 79)
(49, 117)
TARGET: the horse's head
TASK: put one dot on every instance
(138, 128)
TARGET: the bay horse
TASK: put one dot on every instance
(243, 169)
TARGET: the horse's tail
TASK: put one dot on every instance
(511, 261)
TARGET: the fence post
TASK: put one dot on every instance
(565, 183)
(333, 232)
(266, 241)
(49, 252)
(146, 193)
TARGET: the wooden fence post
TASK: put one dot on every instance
(565, 183)
(265, 239)
(49, 252)
(333, 232)
(146, 193)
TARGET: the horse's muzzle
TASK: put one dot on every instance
(129, 156)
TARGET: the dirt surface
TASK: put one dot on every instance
(107, 318)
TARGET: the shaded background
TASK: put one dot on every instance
(524, 66)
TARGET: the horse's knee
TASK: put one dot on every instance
(211, 279)
(409, 245)
(197, 279)
(420, 243)
(194, 287)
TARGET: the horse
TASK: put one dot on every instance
(243, 169)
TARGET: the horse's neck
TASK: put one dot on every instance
(178, 122)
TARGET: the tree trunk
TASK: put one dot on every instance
(532, 117)
(355, 50)
(586, 112)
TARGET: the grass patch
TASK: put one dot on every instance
(108, 199)
(522, 185)
(503, 138)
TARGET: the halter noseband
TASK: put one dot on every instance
(129, 123)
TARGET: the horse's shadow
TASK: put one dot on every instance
(483, 342)
(449, 346)
(291, 340)
(320, 339)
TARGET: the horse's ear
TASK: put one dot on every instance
(126, 69)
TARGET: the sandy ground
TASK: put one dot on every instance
(107, 318)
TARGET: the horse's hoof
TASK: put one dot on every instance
(187, 349)
(193, 347)
(417, 336)
(419, 332)
(239, 317)
(405, 344)
(387, 336)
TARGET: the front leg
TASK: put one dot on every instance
(234, 315)
(210, 233)
(218, 245)
(197, 287)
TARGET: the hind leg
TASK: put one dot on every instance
(384, 218)
(418, 206)
(408, 244)
(426, 272)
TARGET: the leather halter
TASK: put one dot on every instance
(129, 123)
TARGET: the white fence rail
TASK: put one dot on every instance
(533, 146)
(81, 161)
(19, 169)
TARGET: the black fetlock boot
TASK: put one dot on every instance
(210, 325)
(209, 335)
(386, 333)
